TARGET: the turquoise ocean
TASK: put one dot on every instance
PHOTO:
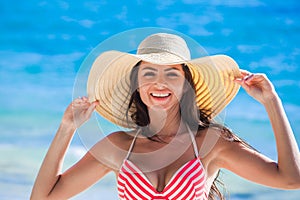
(43, 43)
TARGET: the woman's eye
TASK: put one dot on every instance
(172, 74)
(149, 74)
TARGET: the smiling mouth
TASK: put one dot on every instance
(160, 95)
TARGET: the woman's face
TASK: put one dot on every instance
(160, 85)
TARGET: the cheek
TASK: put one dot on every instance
(142, 82)
(178, 93)
(178, 88)
(143, 85)
(143, 92)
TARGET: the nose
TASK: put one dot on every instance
(160, 82)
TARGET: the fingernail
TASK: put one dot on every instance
(248, 77)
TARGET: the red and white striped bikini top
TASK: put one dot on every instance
(187, 183)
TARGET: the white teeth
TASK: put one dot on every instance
(160, 95)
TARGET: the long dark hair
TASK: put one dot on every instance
(191, 114)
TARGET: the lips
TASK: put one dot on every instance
(160, 98)
(160, 95)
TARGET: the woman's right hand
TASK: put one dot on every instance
(50, 181)
(78, 112)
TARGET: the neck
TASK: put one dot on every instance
(165, 123)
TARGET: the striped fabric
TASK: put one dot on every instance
(188, 183)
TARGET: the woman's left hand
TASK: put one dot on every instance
(257, 85)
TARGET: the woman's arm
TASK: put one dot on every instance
(50, 184)
(252, 165)
(287, 148)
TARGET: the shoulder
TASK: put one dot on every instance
(119, 139)
(124, 135)
(208, 141)
(217, 143)
(112, 149)
(122, 139)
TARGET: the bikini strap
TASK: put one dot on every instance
(193, 141)
(132, 144)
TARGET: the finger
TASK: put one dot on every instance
(242, 83)
(77, 100)
(80, 105)
(248, 77)
(80, 100)
(258, 77)
(84, 98)
(244, 74)
(91, 108)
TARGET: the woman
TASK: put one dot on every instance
(174, 148)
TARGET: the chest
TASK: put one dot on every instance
(159, 163)
(187, 182)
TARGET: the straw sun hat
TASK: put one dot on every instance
(109, 76)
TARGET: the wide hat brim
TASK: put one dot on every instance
(109, 82)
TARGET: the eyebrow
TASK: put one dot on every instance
(172, 68)
(168, 69)
(149, 68)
